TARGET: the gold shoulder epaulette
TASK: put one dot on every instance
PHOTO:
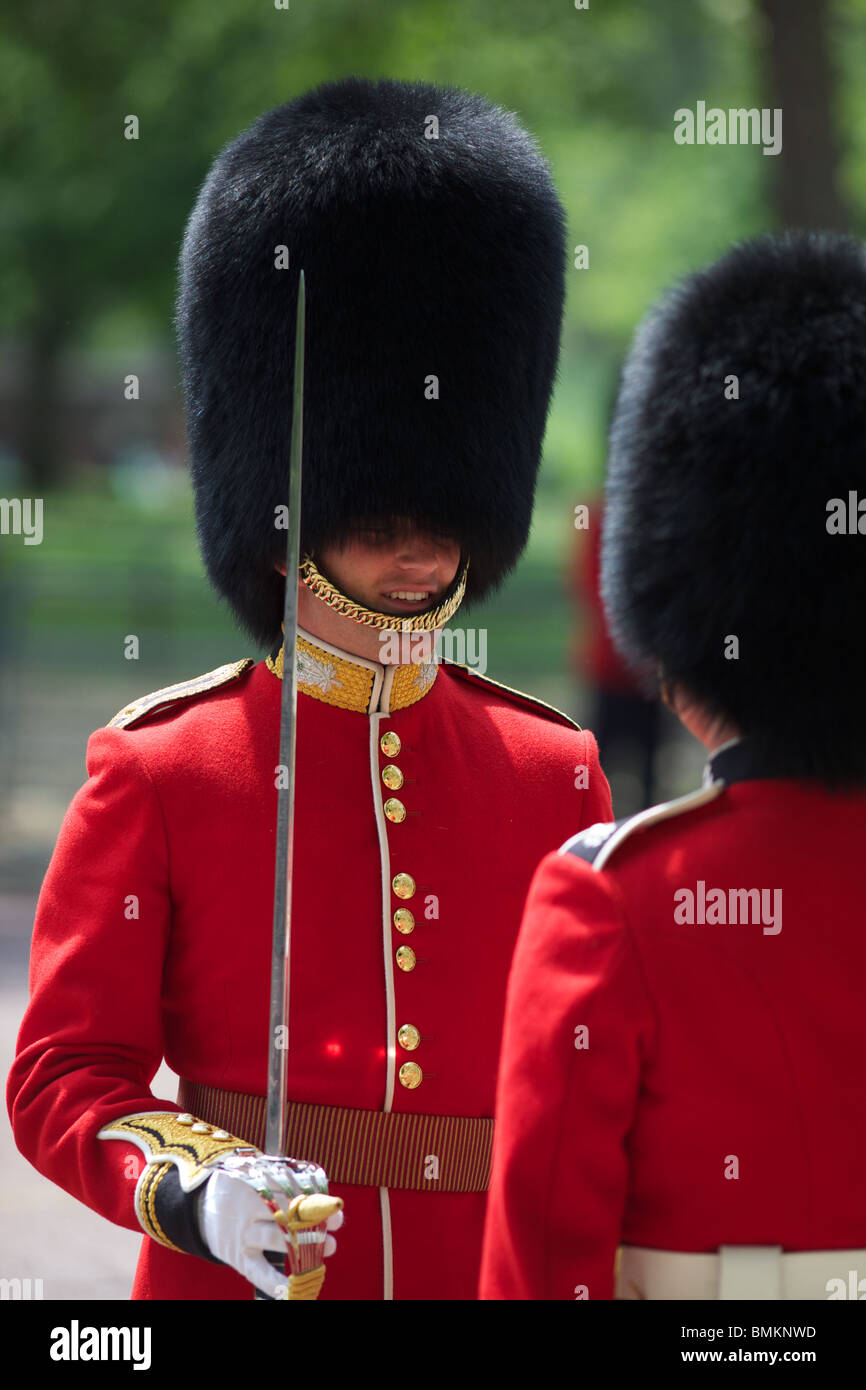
(598, 842)
(184, 690)
(519, 697)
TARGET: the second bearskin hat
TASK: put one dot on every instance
(432, 244)
(737, 466)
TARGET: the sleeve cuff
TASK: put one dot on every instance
(168, 1214)
(180, 1151)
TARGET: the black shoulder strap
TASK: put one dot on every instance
(589, 843)
(598, 842)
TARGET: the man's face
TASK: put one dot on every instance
(392, 566)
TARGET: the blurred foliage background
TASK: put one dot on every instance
(90, 229)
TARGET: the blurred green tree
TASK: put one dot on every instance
(91, 222)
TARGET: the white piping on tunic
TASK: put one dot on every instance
(379, 707)
(387, 953)
(384, 705)
(390, 1002)
(387, 1245)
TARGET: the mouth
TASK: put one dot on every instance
(409, 600)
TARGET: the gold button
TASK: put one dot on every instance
(200, 1127)
(410, 1075)
(404, 920)
(408, 1037)
(392, 777)
(406, 958)
(390, 744)
(403, 885)
(185, 1119)
(395, 810)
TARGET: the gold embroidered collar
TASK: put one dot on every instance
(352, 682)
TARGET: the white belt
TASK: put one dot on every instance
(737, 1271)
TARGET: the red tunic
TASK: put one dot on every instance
(707, 1042)
(153, 937)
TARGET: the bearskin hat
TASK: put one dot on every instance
(738, 445)
(432, 244)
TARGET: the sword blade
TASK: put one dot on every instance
(278, 1053)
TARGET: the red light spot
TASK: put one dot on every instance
(333, 1049)
(380, 1052)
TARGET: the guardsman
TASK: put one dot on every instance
(432, 243)
(684, 1036)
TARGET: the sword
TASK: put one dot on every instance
(304, 1222)
(278, 1049)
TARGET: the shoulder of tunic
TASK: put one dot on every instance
(159, 700)
(515, 697)
(599, 842)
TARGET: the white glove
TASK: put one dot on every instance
(238, 1226)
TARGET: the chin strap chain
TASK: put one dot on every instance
(347, 608)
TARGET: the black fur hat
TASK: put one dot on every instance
(423, 257)
(720, 495)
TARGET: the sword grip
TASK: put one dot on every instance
(279, 1263)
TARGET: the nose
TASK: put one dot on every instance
(417, 551)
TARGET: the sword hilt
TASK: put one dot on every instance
(305, 1213)
(308, 1210)
(301, 1288)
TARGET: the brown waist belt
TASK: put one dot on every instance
(367, 1148)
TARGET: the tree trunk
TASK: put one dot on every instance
(41, 404)
(799, 80)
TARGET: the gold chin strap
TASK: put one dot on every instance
(409, 622)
